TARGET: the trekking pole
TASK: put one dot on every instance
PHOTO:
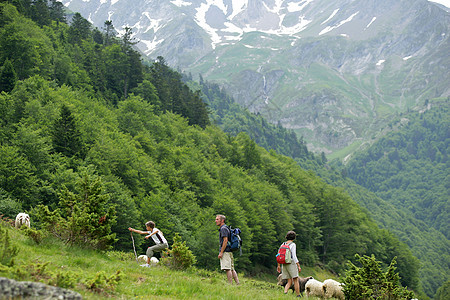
(134, 248)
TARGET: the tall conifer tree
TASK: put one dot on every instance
(66, 136)
(8, 77)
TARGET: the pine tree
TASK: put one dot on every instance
(66, 136)
(110, 32)
(8, 77)
(370, 282)
(80, 29)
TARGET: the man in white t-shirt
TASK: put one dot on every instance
(156, 235)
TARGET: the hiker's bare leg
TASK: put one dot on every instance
(229, 276)
(235, 276)
(288, 285)
(296, 286)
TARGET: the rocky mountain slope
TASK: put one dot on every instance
(335, 71)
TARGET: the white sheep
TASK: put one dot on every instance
(22, 219)
(314, 288)
(333, 289)
(144, 258)
(154, 260)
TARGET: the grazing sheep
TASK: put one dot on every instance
(302, 281)
(314, 288)
(333, 289)
(22, 219)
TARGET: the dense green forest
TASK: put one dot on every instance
(427, 243)
(233, 119)
(81, 112)
(409, 166)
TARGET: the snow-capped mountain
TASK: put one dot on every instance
(226, 21)
(329, 69)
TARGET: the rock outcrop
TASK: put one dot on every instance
(12, 289)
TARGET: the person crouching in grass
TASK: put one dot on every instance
(158, 238)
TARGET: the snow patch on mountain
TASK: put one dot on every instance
(331, 16)
(155, 24)
(330, 28)
(151, 45)
(238, 6)
(276, 8)
(180, 3)
(295, 7)
(231, 31)
(446, 3)
(373, 20)
(200, 19)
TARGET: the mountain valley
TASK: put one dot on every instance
(336, 72)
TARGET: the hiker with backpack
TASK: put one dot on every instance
(158, 238)
(287, 258)
(225, 253)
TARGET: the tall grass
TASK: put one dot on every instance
(157, 282)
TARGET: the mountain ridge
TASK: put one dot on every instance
(333, 71)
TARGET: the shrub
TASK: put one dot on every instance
(8, 206)
(34, 234)
(7, 250)
(101, 281)
(179, 257)
(64, 279)
(85, 215)
(369, 281)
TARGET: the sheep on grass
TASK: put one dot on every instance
(333, 289)
(302, 282)
(314, 288)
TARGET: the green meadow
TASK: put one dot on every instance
(50, 257)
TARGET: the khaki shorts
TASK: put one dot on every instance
(289, 271)
(227, 261)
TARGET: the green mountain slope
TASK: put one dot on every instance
(409, 166)
(86, 272)
(233, 119)
(86, 115)
(427, 243)
(408, 169)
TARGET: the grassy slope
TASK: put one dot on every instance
(158, 282)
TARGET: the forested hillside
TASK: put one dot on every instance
(427, 243)
(408, 170)
(84, 122)
(409, 167)
(233, 119)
